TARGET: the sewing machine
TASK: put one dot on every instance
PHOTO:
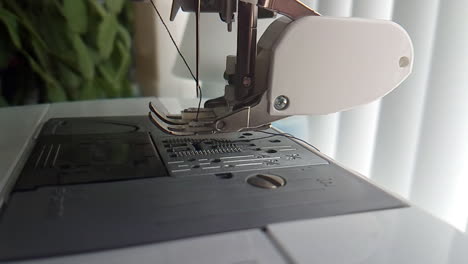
(100, 182)
(303, 64)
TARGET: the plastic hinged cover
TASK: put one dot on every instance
(326, 64)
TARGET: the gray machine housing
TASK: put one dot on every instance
(92, 184)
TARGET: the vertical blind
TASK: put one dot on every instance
(414, 141)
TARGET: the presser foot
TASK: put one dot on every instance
(164, 117)
(194, 121)
(191, 121)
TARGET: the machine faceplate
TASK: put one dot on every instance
(142, 186)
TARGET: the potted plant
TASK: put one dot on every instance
(64, 50)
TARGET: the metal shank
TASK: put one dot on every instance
(244, 105)
(293, 9)
(246, 49)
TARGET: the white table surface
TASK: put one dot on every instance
(244, 247)
(407, 235)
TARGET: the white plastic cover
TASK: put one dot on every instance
(327, 64)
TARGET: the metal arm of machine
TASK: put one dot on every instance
(303, 64)
(293, 9)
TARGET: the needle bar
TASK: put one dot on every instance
(198, 55)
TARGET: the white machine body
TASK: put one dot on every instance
(325, 65)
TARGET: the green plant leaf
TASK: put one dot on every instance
(40, 53)
(97, 7)
(107, 71)
(126, 90)
(115, 6)
(76, 14)
(84, 60)
(124, 61)
(77, 49)
(70, 81)
(24, 20)
(95, 55)
(55, 93)
(106, 35)
(125, 36)
(109, 89)
(88, 91)
(53, 30)
(69, 77)
(59, 46)
(58, 5)
(10, 21)
(109, 83)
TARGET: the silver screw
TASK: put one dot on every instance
(281, 102)
(266, 181)
(246, 81)
(220, 125)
